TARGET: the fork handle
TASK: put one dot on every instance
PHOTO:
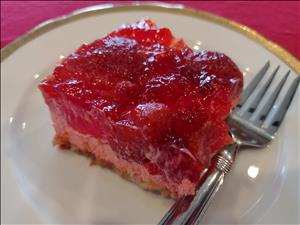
(190, 210)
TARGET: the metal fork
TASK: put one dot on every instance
(253, 124)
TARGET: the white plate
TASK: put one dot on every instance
(42, 185)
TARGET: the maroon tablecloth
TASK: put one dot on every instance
(278, 21)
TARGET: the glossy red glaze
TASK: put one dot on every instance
(148, 95)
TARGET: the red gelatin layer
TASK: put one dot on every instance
(149, 97)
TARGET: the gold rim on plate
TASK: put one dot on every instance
(48, 25)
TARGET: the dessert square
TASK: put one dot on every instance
(145, 104)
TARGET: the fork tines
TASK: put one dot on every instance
(265, 100)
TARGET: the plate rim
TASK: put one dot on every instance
(180, 9)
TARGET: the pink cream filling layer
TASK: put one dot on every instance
(102, 151)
